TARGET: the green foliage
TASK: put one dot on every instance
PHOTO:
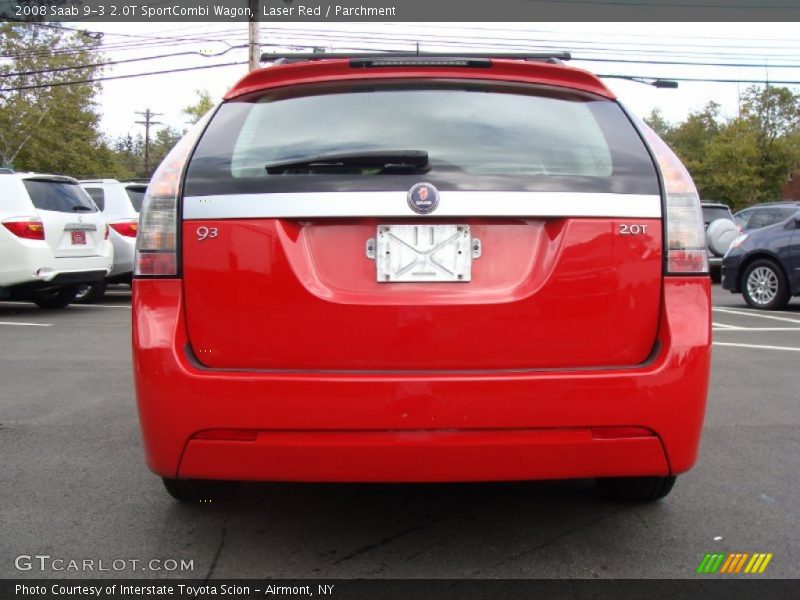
(45, 126)
(746, 159)
(658, 123)
(202, 106)
(129, 151)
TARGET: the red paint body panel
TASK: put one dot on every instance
(339, 70)
(288, 295)
(382, 426)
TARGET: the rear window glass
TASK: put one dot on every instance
(98, 195)
(483, 137)
(136, 194)
(712, 213)
(59, 196)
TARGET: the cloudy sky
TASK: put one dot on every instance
(731, 51)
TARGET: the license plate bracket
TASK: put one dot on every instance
(423, 253)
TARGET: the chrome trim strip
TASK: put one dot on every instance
(80, 227)
(394, 204)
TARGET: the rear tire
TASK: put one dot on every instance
(635, 489)
(716, 274)
(56, 298)
(89, 293)
(196, 490)
(764, 285)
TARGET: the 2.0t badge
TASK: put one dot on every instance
(423, 198)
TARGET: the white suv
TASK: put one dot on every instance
(120, 202)
(52, 239)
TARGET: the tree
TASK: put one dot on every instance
(201, 107)
(658, 123)
(773, 114)
(746, 159)
(45, 125)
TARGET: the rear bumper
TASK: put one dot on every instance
(31, 264)
(455, 426)
(124, 248)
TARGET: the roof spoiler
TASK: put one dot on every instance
(399, 59)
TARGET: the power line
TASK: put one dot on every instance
(112, 77)
(117, 62)
(701, 79)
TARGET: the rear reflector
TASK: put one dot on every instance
(156, 263)
(126, 228)
(29, 229)
(227, 435)
(686, 238)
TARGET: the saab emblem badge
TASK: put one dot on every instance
(423, 198)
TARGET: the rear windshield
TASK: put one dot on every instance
(59, 196)
(476, 136)
(712, 213)
(136, 194)
(98, 195)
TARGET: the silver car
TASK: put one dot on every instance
(120, 202)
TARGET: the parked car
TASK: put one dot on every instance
(460, 277)
(721, 230)
(762, 215)
(53, 239)
(120, 202)
(764, 264)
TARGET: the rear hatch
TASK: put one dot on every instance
(421, 226)
(73, 226)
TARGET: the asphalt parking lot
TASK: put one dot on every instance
(74, 484)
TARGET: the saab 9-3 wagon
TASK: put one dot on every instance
(421, 269)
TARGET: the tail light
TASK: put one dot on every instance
(125, 228)
(157, 239)
(29, 229)
(687, 252)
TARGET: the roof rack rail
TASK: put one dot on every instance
(367, 59)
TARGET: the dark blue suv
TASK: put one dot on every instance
(764, 264)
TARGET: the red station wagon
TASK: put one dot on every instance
(421, 269)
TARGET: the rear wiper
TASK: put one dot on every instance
(383, 160)
(80, 208)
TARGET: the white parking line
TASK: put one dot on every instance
(25, 324)
(75, 305)
(757, 311)
(724, 326)
(745, 329)
(757, 347)
(728, 311)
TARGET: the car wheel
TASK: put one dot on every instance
(635, 489)
(55, 298)
(91, 293)
(716, 274)
(764, 285)
(197, 490)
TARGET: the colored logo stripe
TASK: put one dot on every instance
(734, 563)
(710, 563)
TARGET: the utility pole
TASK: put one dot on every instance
(254, 43)
(148, 122)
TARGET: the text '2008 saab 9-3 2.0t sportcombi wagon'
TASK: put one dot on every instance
(421, 269)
